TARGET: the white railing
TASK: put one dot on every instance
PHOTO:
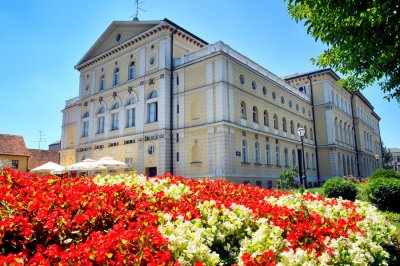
(221, 47)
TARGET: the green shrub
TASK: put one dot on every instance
(384, 193)
(338, 187)
(384, 173)
(287, 178)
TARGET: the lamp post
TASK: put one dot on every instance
(303, 180)
(377, 161)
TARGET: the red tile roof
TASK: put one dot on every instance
(12, 145)
(39, 157)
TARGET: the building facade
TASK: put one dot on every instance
(395, 158)
(163, 100)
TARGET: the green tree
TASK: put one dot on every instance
(387, 158)
(286, 179)
(362, 38)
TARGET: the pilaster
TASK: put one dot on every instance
(142, 66)
(221, 102)
(140, 110)
(211, 151)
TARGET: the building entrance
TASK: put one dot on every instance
(151, 171)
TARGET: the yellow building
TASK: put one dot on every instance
(348, 135)
(161, 99)
(14, 152)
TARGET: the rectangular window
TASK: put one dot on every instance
(14, 164)
(114, 121)
(100, 125)
(177, 80)
(177, 137)
(177, 156)
(177, 108)
(101, 85)
(259, 183)
(269, 184)
(130, 117)
(246, 182)
(85, 129)
(152, 112)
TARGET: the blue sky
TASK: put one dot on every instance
(42, 40)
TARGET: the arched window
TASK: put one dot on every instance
(153, 95)
(152, 107)
(352, 166)
(86, 114)
(194, 108)
(365, 140)
(277, 156)
(305, 132)
(243, 110)
(131, 101)
(307, 161)
(284, 125)
(245, 156)
(268, 154)
(131, 113)
(311, 134)
(291, 127)
(255, 114)
(132, 71)
(266, 119)
(100, 120)
(257, 152)
(254, 85)
(115, 106)
(336, 129)
(196, 153)
(102, 83)
(116, 77)
(345, 132)
(349, 135)
(313, 161)
(101, 110)
(293, 157)
(298, 125)
(275, 121)
(115, 116)
(341, 130)
(285, 151)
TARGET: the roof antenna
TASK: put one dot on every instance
(138, 10)
(41, 138)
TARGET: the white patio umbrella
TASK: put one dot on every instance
(110, 163)
(85, 165)
(49, 167)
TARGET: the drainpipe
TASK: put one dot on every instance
(355, 139)
(171, 111)
(315, 130)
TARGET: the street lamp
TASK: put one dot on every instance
(303, 179)
(377, 161)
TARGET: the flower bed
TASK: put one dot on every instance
(135, 220)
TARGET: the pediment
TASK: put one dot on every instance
(125, 29)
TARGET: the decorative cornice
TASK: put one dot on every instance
(164, 26)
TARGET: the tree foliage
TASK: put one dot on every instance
(387, 158)
(362, 38)
(286, 179)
